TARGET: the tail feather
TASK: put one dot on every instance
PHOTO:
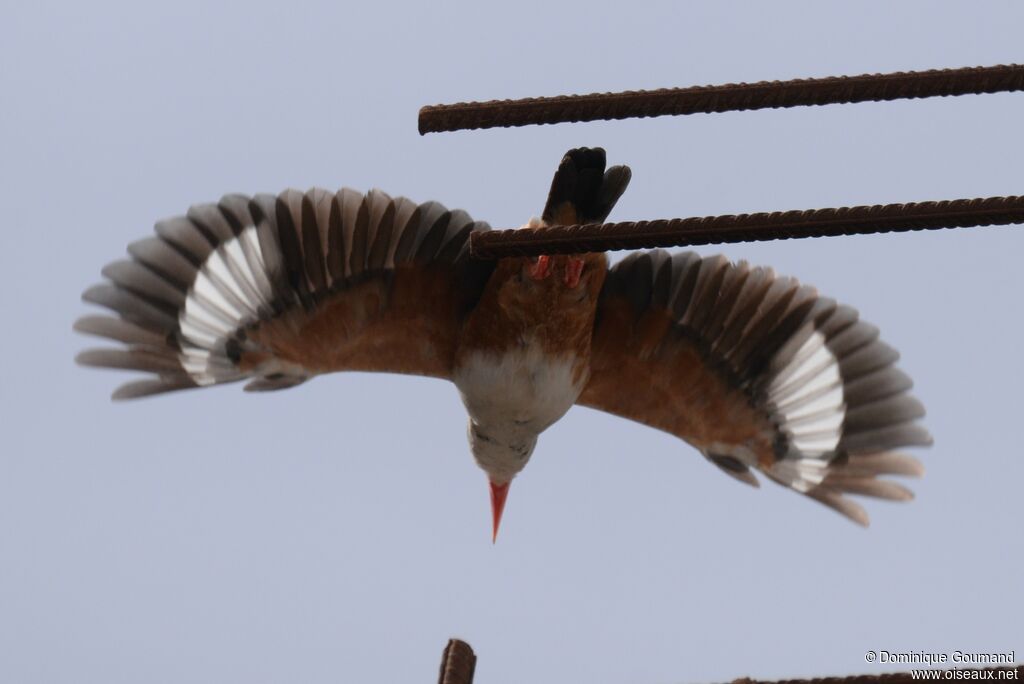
(582, 191)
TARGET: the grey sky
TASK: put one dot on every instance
(340, 531)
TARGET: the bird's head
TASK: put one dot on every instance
(501, 457)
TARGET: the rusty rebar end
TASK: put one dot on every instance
(458, 663)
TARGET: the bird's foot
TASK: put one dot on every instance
(573, 271)
(541, 268)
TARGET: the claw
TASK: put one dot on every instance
(541, 268)
(573, 271)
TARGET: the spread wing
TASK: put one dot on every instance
(757, 372)
(278, 289)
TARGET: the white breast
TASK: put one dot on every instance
(520, 391)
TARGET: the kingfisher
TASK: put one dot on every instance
(756, 371)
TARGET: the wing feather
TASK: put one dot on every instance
(360, 229)
(312, 246)
(758, 372)
(384, 221)
(276, 289)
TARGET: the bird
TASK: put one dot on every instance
(755, 370)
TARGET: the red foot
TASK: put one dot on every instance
(541, 268)
(573, 271)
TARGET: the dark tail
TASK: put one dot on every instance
(582, 191)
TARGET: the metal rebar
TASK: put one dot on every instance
(721, 98)
(779, 225)
(999, 673)
(458, 663)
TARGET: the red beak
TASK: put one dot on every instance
(499, 492)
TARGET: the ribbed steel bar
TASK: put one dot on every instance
(779, 225)
(458, 663)
(1001, 673)
(721, 98)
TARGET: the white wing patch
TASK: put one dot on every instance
(807, 395)
(228, 293)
